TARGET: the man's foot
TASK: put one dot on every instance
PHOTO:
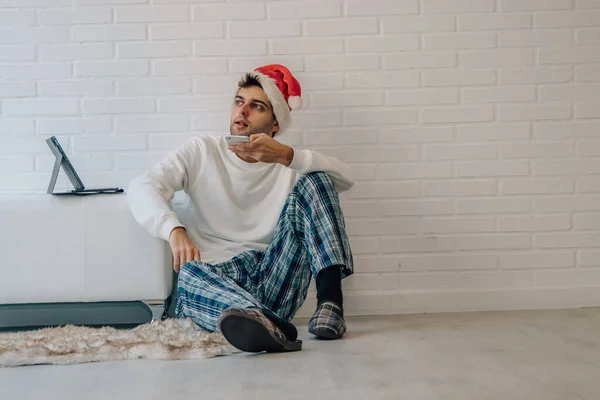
(328, 321)
(249, 329)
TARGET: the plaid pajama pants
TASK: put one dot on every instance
(310, 236)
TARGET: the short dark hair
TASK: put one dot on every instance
(249, 80)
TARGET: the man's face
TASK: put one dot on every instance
(252, 113)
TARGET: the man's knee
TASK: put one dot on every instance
(316, 181)
(317, 187)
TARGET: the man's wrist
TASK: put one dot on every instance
(288, 156)
(176, 229)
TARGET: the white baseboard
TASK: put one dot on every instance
(402, 302)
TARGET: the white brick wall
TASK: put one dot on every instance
(472, 126)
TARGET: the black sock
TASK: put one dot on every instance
(329, 285)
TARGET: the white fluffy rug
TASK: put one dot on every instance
(171, 339)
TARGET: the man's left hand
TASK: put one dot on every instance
(264, 148)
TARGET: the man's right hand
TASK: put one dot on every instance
(182, 247)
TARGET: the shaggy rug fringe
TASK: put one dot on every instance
(171, 339)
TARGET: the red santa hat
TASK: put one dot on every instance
(282, 89)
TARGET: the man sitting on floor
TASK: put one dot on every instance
(265, 217)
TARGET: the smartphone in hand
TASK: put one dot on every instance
(234, 139)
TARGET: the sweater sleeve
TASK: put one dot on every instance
(149, 195)
(306, 161)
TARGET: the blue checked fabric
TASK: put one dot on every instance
(328, 317)
(310, 236)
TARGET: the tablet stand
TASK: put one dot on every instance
(58, 163)
(55, 171)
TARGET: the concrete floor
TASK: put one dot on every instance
(545, 355)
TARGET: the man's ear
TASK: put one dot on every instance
(275, 128)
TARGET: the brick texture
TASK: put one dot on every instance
(471, 126)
